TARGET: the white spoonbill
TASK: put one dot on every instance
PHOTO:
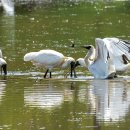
(3, 64)
(50, 59)
(98, 60)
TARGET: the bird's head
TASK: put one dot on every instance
(69, 61)
(77, 64)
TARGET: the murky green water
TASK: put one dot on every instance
(29, 102)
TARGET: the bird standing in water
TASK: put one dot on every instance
(50, 59)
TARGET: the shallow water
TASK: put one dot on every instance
(83, 103)
(29, 102)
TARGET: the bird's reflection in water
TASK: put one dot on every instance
(110, 99)
(2, 89)
(48, 95)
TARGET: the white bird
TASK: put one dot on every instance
(3, 64)
(98, 60)
(110, 56)
(50, 59)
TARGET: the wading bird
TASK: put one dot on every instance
(110, 56)
(3, 64)
(50, 59)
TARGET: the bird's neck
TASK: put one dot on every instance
(66, 62)
(90, 57)
(82, 62)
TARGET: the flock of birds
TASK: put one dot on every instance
(108, 59)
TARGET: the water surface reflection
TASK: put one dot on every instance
(2, 89)
(111, 99)
(105, 101)
(64, 103)
(48, 95)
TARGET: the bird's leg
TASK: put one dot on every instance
(75, 74)
(71, 73)
(72, 66)
(50, 75)
(1, 70)
(46, 73)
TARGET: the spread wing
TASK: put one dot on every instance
(118, 47)
(103, 65)
(120, 51)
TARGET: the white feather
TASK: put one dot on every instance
(2, 61)
(117, 49)
(103, 67)
(30, 56)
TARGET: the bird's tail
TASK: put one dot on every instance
(30, 56)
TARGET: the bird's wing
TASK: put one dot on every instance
(49, 57)
(103, 66)
(118, 47)
(120, 51)
(101, 50)
(2, 61)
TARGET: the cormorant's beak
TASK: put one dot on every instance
(4, 67)
(72, 69)
(86, 46)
